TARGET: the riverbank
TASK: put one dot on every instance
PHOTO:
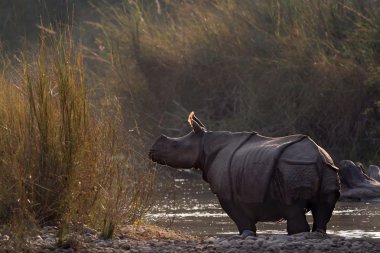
(148, 238)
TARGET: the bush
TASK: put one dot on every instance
(63, 160)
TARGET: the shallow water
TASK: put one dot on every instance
(184, 202)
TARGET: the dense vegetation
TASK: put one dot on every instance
(278, 67)
(66, 158)
(73, 115)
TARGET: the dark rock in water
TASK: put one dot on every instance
(374, 172)
(355, 184)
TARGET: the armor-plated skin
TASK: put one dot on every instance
(258, 178)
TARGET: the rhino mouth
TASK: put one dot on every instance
(154, 157)
(150, 154)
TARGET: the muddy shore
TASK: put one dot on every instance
(155, 239)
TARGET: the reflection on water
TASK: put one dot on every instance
(189, 205)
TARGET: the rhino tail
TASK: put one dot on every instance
(327, 174)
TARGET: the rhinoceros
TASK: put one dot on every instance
(258, 178)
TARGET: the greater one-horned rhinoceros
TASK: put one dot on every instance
(258, 178)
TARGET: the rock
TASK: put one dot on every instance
(344, 249)
(274, 248)
(199, 247)
(347, 243)
(280, 238)
(225, 243)
(38, 240)
(145, 249)
(234, 237)
(237, 242)
(66, 251)
(124, 246)
(374, 172)
(260, 242)
(210, 240)
(356, 245)
(210, 247)
(355, 183)
(102, 244)
(90, 231)
(250, 238)
(160, 244)
(367, 244)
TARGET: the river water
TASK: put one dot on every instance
(185, 203)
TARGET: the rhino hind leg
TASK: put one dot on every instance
(322, 210)
(296, 219)
(242, 222)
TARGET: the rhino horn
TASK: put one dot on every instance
(196, 124)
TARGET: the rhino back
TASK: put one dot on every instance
(243, 172)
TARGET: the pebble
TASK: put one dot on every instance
(87, 230)
(225, 243)
(124, 246)
(88, 240)
(145, 249)
(210, 240)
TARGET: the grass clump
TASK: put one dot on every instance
(63, 160)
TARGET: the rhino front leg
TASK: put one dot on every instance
(243, 223)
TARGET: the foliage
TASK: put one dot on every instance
(278, 67)
(64, 161)
(20, 19)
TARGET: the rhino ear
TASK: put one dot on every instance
(196, 124)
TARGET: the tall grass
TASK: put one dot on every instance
(63, 160)
(279, 67)
(19, 19)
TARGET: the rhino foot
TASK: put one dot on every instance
(321, 231)
(247, 233)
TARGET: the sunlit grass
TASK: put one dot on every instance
(64, 161)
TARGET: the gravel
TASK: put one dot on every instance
(146, 239)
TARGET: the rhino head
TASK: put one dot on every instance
(180, 152)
